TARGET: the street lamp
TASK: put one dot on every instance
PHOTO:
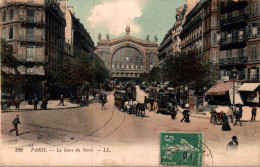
(234, 75)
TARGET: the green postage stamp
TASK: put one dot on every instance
(178, 148)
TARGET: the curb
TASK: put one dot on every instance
(48, 108)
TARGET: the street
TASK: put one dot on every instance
(136, 138)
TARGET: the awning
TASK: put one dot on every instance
(249, 87)
(220, 88)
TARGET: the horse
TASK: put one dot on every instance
(216, 117)
(140, 109)
(130, 106)
(15, 103)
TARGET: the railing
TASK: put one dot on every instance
(233, 60)
(228, 6)
(35, 39)
(234, 20)
(233, 40)
(30, 20)
(39, 59)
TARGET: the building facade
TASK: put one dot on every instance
(240, 39)
(127, 57)
(192, 31)
(171, 44)
(36, 31)
(165, 48)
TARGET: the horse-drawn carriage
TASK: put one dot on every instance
(160, 100)
(120, 98)
(7, 102)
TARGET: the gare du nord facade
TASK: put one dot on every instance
(127, 57)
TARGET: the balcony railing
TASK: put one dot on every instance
(38, 59)
(229, 6)
(233, 61)
(36, 39)
(233, 42)
(30, 20)
(240, 20)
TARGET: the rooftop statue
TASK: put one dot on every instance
(147, 38)
(156, 38)
(99, 36)
(127, 29)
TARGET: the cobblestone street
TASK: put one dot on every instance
(92, 127)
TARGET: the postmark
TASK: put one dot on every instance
(178, 148)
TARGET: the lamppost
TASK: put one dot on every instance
(234, 75)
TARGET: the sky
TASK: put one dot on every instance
(145, 17)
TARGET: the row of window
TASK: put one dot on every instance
(126, 66)
(252, 30)
(125, 74)
(9, 34)
(11, 15)
(241, 52)
(248, 74)
(29, 15)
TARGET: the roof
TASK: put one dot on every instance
(220, 88)
(249, 87)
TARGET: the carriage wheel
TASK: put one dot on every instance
(214, 120)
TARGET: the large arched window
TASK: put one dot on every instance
(127, 58)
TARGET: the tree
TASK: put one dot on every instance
(74, 72)
(9, 64)
(7, 58)
(191, 69)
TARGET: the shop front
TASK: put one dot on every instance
(250, 93)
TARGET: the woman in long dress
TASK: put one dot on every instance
(225, 124)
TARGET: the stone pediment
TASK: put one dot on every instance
(128, 39)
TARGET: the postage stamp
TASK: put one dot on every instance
(178, 148)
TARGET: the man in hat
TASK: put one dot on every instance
(212, 113)
(253, 114)
(233, 145)
(16, 121)
(186, 115)
(238, 115)
(61, 100)
(35, 103)
(230, 113)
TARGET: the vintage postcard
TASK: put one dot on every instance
(130, 82)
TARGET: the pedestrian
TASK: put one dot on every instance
(16, 121)
(230, 113)
(186, 115)
(233, 145)
(238, 115)
(173, 113)
(225, 124)
(253, 114)
(61, 100)
(212, 113)
(103, 103)
(35, 103)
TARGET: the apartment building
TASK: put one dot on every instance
(36, 31)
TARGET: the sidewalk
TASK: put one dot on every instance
(52, 105)
(246, 116)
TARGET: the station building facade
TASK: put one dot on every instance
(127, 57)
